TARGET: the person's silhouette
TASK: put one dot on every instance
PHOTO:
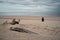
(42, 19)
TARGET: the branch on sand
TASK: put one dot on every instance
(15, 22)
(21, 30)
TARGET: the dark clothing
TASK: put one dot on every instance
(42, 19)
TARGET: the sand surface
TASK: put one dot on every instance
(47, 30)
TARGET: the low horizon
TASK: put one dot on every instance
(26, 14)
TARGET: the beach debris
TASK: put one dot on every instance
(5, 22)
(14, 21)
(21, 30)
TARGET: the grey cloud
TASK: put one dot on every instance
(19, 0)
(36, 0)
(1, 1)
(56, 0)
(33, 2)
(48, 6)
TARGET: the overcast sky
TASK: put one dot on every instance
(30, 7)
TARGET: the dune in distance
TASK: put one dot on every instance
(47, 30)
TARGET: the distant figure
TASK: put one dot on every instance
(42, 19)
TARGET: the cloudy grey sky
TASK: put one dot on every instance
(30, 7)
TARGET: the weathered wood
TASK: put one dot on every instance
(21, 30)
(15, 22)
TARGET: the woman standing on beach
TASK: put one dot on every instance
(42, 19)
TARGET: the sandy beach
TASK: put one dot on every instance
(47, 30)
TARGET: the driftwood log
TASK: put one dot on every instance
(15, 22)
(21, 30)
